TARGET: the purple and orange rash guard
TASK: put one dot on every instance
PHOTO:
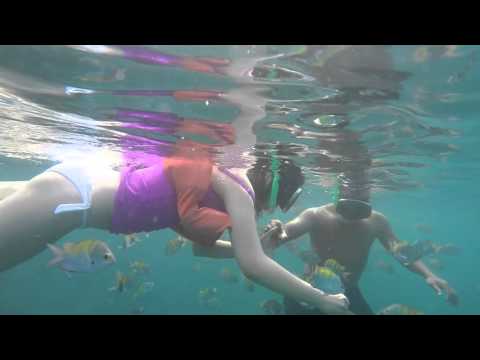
(149, 56)
(158, 192)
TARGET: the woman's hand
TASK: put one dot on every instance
(275, 230)
(336, 305)
(273, 233)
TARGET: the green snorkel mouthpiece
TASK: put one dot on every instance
(272, 201)
(280, 199)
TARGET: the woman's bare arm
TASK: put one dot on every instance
(252, 260)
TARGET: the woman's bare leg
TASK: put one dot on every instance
(27, 221)
(9, 187)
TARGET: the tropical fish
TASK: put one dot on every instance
(335, 266)
(83, 256)
(229, 276)
(130, 240)
(140, 267)
(451, 51)
(421, 54)
(326, 279)
(143, 288)
(207, 292)
(271, 307)
(208, 297)
(122, 283)
(399, 309)
(435, 52)
(174, 245)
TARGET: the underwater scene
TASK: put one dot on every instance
(239, 179)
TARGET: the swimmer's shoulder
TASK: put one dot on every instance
(320, 214)
(379, 221)
(377, 216)
(324, 211)
(320, 218)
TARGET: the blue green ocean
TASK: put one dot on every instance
(412, 110)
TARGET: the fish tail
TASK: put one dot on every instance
(58, 253)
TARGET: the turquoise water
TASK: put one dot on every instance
(419, 126)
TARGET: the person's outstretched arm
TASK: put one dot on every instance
(222, 249)
(252, 260)
(292, 230)
(299, 226)
(390, 242)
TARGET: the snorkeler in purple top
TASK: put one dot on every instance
(142, 197)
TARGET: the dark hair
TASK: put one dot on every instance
(261, 177)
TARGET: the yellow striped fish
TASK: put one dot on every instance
(83, 256)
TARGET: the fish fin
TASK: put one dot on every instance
(69, 275)
(58, 253)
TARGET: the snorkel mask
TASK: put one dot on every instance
(350, 209)
(273, 198)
